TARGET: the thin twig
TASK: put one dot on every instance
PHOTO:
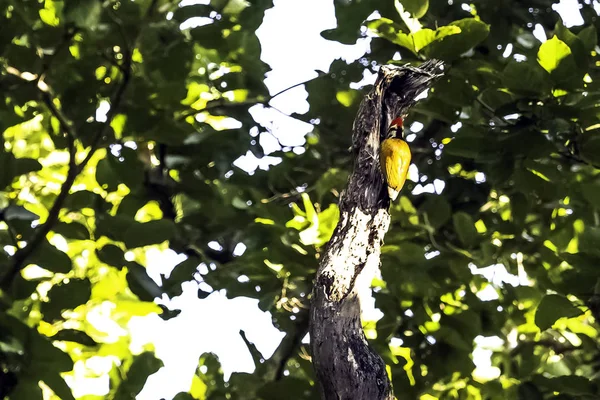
(221, 103)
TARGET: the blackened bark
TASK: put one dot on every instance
(346, 367)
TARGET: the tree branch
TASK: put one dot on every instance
(345, 365)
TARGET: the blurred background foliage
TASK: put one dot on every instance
(120, 130)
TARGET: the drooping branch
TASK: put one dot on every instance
(346, 367)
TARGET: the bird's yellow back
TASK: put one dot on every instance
(395, 159)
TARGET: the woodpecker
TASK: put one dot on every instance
(394, 157)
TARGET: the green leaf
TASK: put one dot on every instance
(105, 176)
(589, 147)
(72, 230)
(74, 335)
(463, 223)
(464, 146)
(462, 36)
(496, 98)
(66, 296)
(182, 14)
(389, 30)
(328, 220)
(453, 338)
(57, 384)
(126, 169)
(425, 37)
(141, 284)
(45, 357)
(142, 367)
(519, 206)
(22, 288)
(14, 212)
(281, 389)
(183, 396)
(437, 209)
(112, 255)
(589, 240)
(27, 389)
(589, 37)
(50, 258)
(12, 167)
(574, 385)
(83, 199)
(145, 234)
(555, 56)
(334, 178)
(24, 166)
(591, 193)
(418, 8)
(405, 252)
(113, 228)
(83, 13)
(528, 391)
(454, 91)
(183, 272)
(551, 308)
(6, 165)
(526, 78)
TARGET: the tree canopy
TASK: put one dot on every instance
(120, 131)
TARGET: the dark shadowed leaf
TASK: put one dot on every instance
(112, 255)
(153, 232)
(143, 366)
(437, 210)
(73, 335)
(183, 272)
(417, 8)
(463, 223)
(141, 284)
(83, 13)
(27, 389)
(72, 230)
(66, 296)
(14, 212)
(50, 258)
(553, 307)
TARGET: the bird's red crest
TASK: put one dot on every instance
(398, 122)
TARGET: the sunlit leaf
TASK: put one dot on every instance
(552, 52)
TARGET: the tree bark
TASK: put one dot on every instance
(346, 367)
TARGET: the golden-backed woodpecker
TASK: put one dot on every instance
(394, 158)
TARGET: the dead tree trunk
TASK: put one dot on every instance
(347, 368)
